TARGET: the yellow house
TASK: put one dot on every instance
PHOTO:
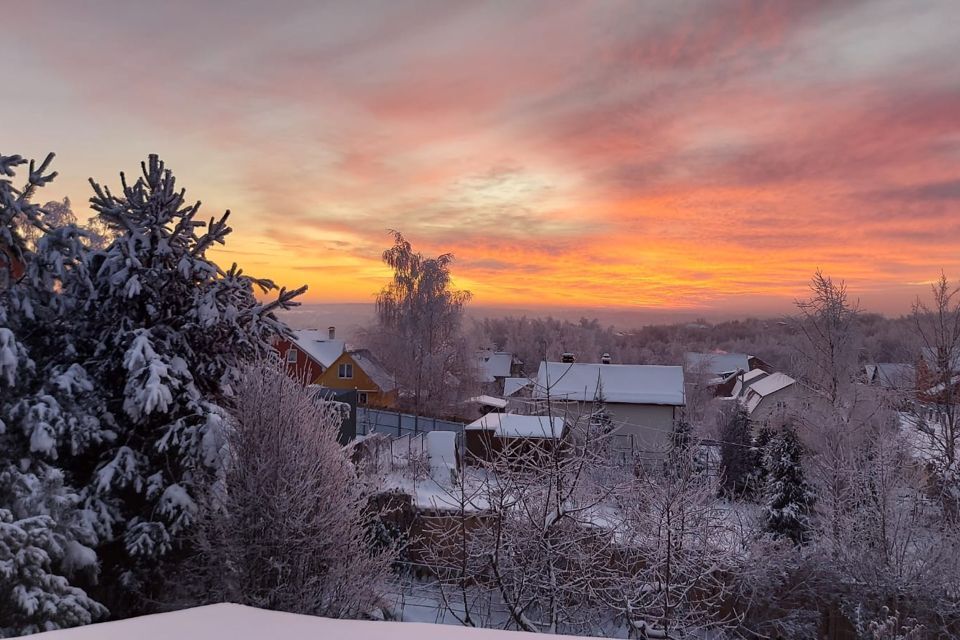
(357, 369)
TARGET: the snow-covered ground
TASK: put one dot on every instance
(237, 622)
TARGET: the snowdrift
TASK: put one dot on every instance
(237, 622)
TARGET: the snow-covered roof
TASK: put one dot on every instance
(746, 380)
(494, 364)
(511, 425)
(625, 383)
(319, 346)
(771, 384)
(490, 401)
(716, 363)
(753, 401)
(373, 369)
(513, 385)
(892, 375)
(237, 622)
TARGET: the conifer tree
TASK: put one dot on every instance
(735, 453)
(788, 497)
(165, 332)
(47, 415)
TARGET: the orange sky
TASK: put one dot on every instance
(690, 155)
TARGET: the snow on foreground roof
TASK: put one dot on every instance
(318, 346)
(626, 383)
(237, 622)
(511, 425)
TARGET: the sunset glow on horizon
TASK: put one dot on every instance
(703, 156)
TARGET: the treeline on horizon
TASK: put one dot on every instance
(881, 339)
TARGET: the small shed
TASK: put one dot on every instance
(497, 433)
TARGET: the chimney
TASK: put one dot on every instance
(568, 357)
(333, 332)
(605, 359)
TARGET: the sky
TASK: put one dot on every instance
(699, 156)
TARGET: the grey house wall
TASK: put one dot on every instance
(649, 425)
(767, 410)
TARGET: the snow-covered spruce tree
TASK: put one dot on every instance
(47, 415)
(287, 529)
(788, 497)
(736, 457)
(166, 331)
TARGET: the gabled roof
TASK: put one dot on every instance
(771, 384)
(718, 364)
(494, 364)
(318, 346)
(511, 425)
(513, 385)
(746, 380)
(623, 383)
(892, 375)
(373, 369)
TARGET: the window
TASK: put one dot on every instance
(345, 371)
(362, 399)
(291, 355)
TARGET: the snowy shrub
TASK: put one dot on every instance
(288, 528)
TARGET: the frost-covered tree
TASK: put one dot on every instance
(48, 415)
(419, 334)
(937, 328)
(286, 528)
(540, 548)
(164, 333)
(675, 550)
(827, 326)
(787, 496)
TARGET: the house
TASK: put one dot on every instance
(310, 353)
(517, 435)
(769, 396)
(644, 401)
(891, 375)
(496, 366)
(357, 369)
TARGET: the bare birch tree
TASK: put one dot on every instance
(418, 334)
(828, 345)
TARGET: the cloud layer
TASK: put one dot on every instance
(699, 155)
